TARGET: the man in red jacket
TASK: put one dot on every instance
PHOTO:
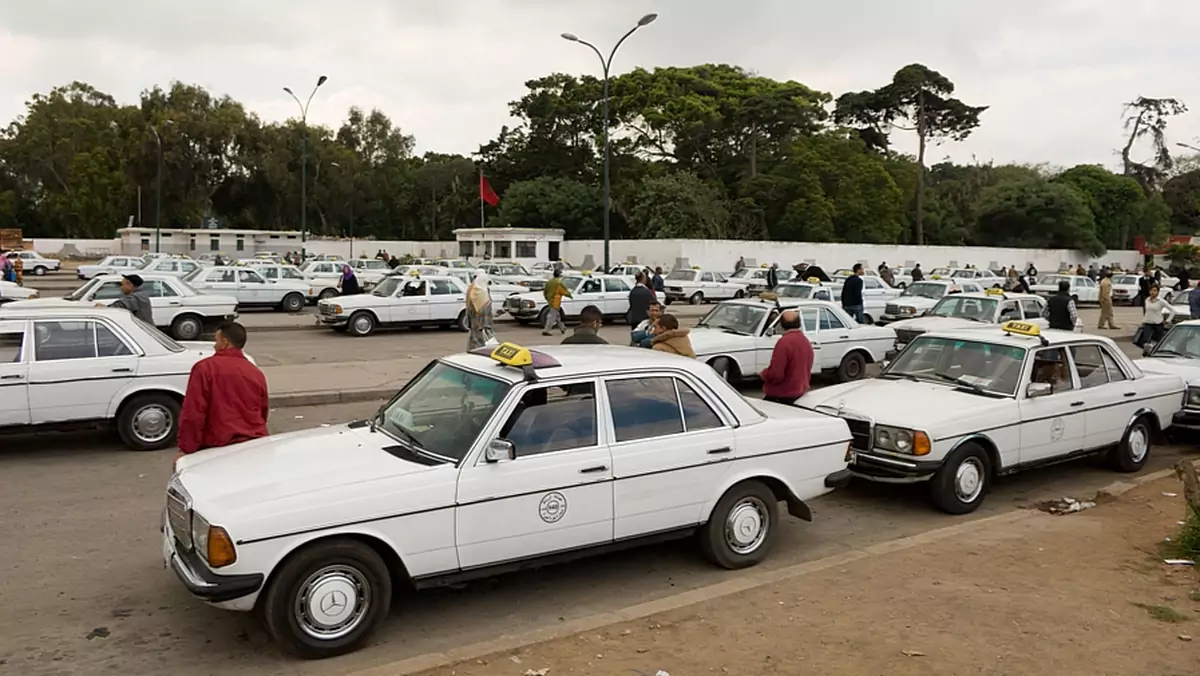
(226, 399)
(786, 379)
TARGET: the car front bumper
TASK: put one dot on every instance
(522, 313)
(202, 582)
(1187, 419)
(887, 469)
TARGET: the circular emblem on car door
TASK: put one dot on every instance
(1057, 429)
(553, 507)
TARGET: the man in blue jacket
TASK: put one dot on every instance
(852, 294)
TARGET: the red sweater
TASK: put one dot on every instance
(226, 403)
(791, 367)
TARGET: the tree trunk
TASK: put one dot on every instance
(920, 224)
(1186, 471)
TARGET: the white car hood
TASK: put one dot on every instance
(254, 474)
(707, 341)
(937, 324)
(920, 302)
(1188, 369)
(904, 403)
(357, 300)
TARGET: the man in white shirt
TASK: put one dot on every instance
(643, 334)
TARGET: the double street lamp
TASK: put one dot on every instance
(304, 161)
(606, 64)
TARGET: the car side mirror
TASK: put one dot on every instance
(1035, 390)
(499, 450)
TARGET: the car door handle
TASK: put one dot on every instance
(593, 470)
(1076, 403)
(843, 337)
(173, 303)
(1131, 394)
(12, 376)
(123, 370)
(719, 451)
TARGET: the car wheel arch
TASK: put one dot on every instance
(377, 542)
(122, 400)
(783, 492)
(987, 444)
(713, 359)
(1151, 415)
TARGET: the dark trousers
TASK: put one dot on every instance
(780, 400)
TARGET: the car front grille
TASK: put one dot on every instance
(327, 310)
(179, 515)
(514, 303)
(676, 289)
(860, 433)
(536, 285)
(906, 336)
(891, 309)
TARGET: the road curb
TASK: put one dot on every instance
(475, 651)
(292, 399)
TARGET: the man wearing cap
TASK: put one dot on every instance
(134, 299)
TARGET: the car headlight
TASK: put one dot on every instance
(35, 294)
(900, 440)
(522, 283)
(908, 310)
(212, 542)
(337, 309)
(1192, 397)
(528, 304)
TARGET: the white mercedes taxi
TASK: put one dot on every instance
(486, 462)
(1178, 353)
(1083, 288)
(66, 367)
(11, 292)
(737, 338)
(697, 286)
(610, 293)
(920, 297)
(959, 408)
(973, 310)
(399, 300)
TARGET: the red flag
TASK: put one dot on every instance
(486, 193)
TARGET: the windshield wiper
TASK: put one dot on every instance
(962, 383)
(1160, 352)
(906, 376)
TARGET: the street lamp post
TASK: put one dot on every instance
(606, 64)
(304, 161)
(1188, 147)
(157, 187)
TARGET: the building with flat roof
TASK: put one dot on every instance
(195, 241)
(524, 245)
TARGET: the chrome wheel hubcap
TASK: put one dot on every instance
(362, 324)
(1139, 443)
(152, 424)
(968, 480)
(746, 526)
(332, 602)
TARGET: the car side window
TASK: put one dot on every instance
(109, 344)
(413, 287)
(615, 284)
(830, 321)
(810, 320)
(159, 288)
(187, 266)
(644, 408)
(871, 283)
(1050, 366)
(288, 273)
(165, 266)
(65, 340)
(706, 277)
(108, 291)
(719, 277)
(270, 273)
(590, 286)
(697, 414)
(1115, 374)
(552, 419)
(1009, 311)
(220, 276)
(12, 343)
(441, 287)
(1032, 308)
(1089, 364)
(250, 277)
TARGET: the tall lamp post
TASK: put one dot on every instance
(1188, 147)
(158, 190)
(304, 161)
(606, 64)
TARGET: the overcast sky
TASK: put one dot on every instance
(1055, 72)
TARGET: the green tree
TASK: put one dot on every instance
(1182, 195)
(1117, 203)
(681, 206)
(1148, 118)
(1037, 214)
(554, 203)
(919, 97)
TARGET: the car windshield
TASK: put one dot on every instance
(389, 285)
(964, 273)
(1180, 341)
(925, 290)
(442, 410)
(682, 275)
(1181, 298)
(794, 290)
(980, 367)
(1053, 280)
(78, 294)
(738, 318)
(975, 309)
(1127, 280)
(510, 269)
(942, 272)
(194, 274)
(571, 283)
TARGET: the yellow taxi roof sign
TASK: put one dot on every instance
(1022, 329)
(814, 280)
(994, 292)
(511, 354)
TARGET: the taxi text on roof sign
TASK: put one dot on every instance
(511, 354)
(814, 280)
(994, 292)
(1022, 329)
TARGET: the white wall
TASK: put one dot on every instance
(721, 255)
(89, 248)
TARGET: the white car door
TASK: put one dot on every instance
(764, 343)
(410, 302)
(1089, 292)
(667, 444)
(14, 373)
(254, 289)
(708, 286)
(1053, 425)
(165, 301)
(1109, 396)
(555, 495)
(1032, 308)
(616, 296)
(835, 338)
(222, 281)
(810, 323)
(589, 292)
(78, 367)
(446, 300)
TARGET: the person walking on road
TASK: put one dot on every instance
(1060, 309)
(479, 313)
(640, 297)
(1154, 320)
(18, 267)
(657, 281)
(772, 276)
(852, 294)
(349, 282)
(1144, 283)
(1194, 302)
(788, 376)
(227, 400)
(588, 331)
(1106, 304)
(134, 299)
(918, 275)
(671, 338)
(554, 292)
(5, 267)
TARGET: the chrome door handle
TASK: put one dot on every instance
(12, 376)
(123, 370)
(719, 451)
(1131, 394)
(593, 470)
(424, 301)
(1076, 403)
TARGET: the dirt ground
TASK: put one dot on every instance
(1085, 593)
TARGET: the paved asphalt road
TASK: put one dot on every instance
(85, 591)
